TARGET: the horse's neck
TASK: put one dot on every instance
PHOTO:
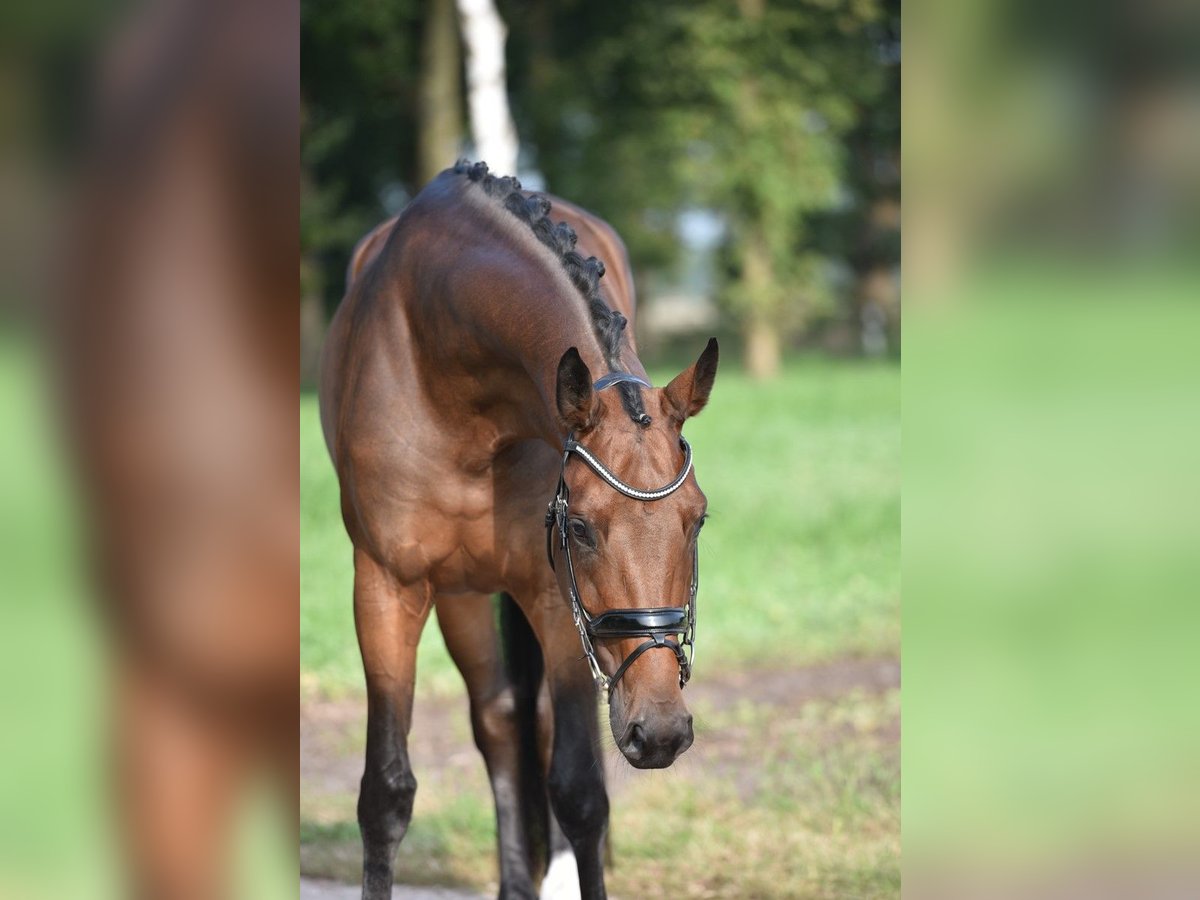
(507, 358)
(538, 342)
(497, 322)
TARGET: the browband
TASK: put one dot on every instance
(573, 446)
(617, 378)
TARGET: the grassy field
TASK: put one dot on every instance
(799, 559)
(792, 787)
(776, 799)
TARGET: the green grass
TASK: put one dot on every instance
(51, 671)
(766, 805)
(800, 558)
(1050, 528)
(804, 807)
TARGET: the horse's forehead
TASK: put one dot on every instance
(642, 456)
(615, 423)
(617, 436)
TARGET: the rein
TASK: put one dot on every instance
(658, 624)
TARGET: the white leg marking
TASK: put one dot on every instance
(562, 880)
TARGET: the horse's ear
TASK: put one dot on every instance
(688, 391)
(573, 393)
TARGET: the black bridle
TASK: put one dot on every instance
(658, 624)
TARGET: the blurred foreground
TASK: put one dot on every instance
(1052, 736)
(157, 263)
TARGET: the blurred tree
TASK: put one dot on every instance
(439, 130)
(782, 116)
(866, 231)
(641, 110)
(370, 72)
(361, 86)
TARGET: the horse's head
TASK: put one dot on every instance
(623, 540)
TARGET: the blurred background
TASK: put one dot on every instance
(149, 508)
(748, 154)
(1050, 387)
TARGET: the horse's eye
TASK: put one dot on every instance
(700, 523)
(581, 531)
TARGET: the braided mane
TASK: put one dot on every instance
(585, 274)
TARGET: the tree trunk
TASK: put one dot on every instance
(761, 335)
(492, 127)
(440, 98)
(761, 331)
(762, 350)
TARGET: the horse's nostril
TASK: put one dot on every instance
(685, 736)
(636, 742)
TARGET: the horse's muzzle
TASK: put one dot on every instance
(656, 742)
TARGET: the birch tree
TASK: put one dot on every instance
(492, 128)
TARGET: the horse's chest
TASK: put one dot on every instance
(452, 527)
(454, 540)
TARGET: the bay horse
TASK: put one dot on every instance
(175, 360)
(476, 369)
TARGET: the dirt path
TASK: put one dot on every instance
(331, 732)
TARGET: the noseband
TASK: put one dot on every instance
(658, 624)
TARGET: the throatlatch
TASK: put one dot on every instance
(658, 624)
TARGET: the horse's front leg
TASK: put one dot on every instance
(389, 618)
(576, 777)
